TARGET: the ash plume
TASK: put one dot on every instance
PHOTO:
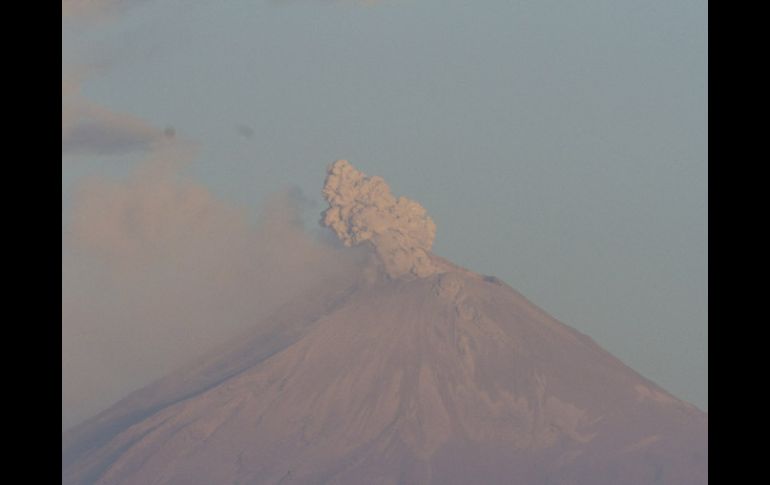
(157, 270)
(363, 209)
(451, 379)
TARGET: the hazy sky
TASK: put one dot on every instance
(560, 146)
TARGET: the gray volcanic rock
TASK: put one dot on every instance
(452, 378)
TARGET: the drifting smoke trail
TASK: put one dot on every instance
(157, 270)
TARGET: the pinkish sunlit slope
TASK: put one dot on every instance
(434, 376)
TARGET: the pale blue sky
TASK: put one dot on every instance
(558, 145)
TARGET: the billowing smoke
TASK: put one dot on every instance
(362, 209)
(158, 270)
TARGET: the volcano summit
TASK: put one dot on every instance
(413, 371)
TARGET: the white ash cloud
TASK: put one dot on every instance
(363, 209)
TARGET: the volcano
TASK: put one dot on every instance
(412, 371)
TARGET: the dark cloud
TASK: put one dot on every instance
(97, 137)
(89, 128)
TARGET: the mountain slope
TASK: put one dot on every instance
(452, 378)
